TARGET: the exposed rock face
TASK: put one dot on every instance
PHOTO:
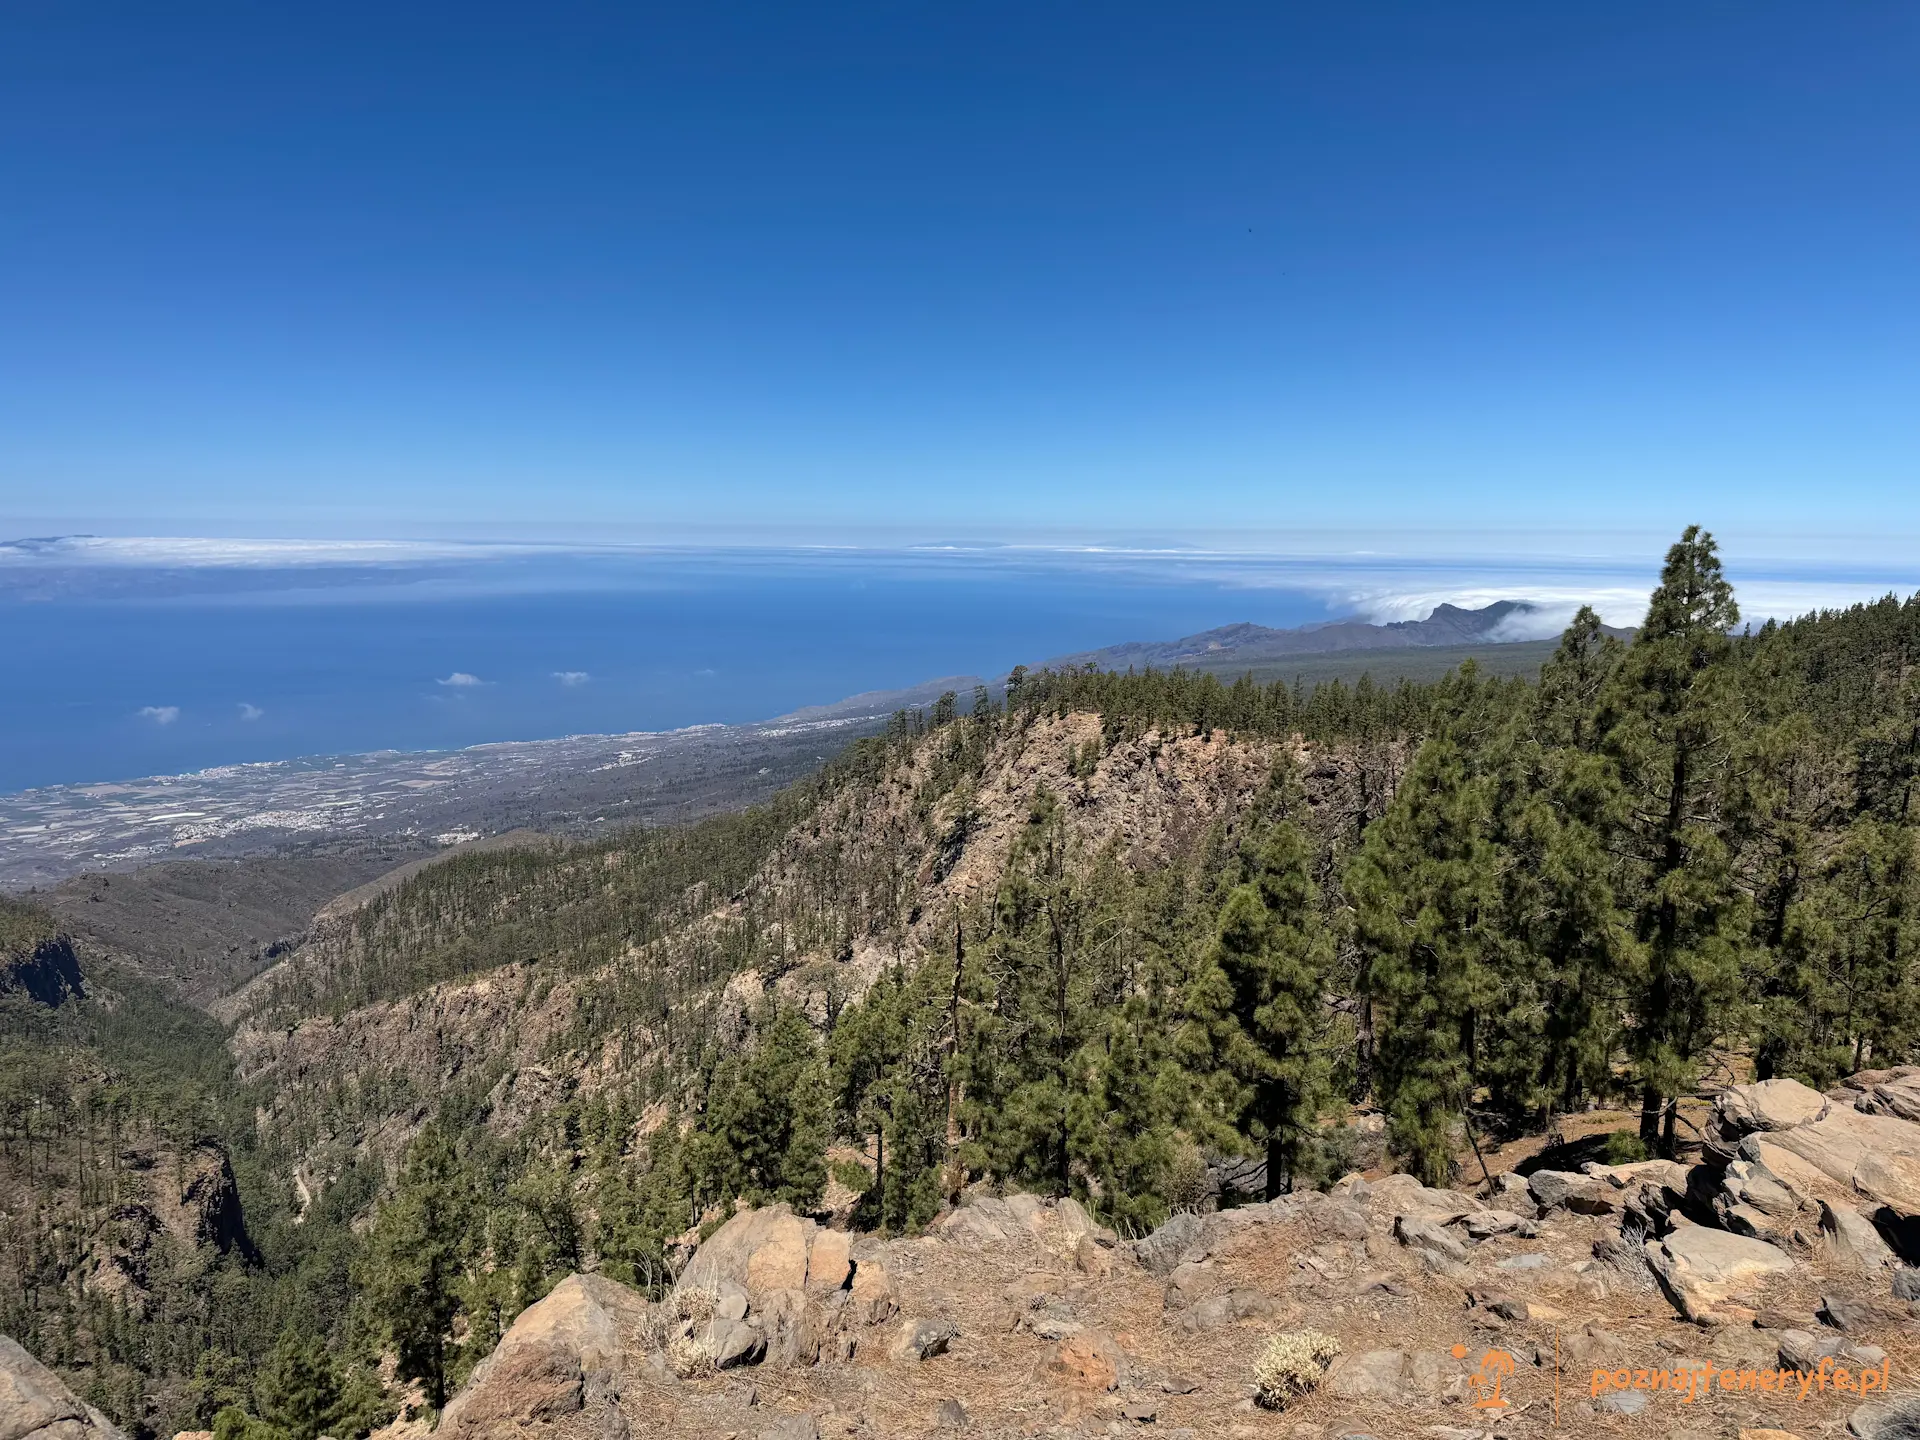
(49, 973)
(36, 1405)
(562, 1356)
(1867, 1153)
(1700, 1268)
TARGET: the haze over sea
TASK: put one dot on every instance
(155, 656)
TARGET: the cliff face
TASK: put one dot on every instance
(870, 872)
(47, 972)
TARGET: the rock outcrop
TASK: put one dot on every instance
(1798, 1149)
(35, 1403)
(563, 1356)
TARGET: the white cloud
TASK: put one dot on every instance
(461, 680)
(160, 714)
(571, 678)
(250, 712)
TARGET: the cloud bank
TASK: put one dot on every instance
(160, 714)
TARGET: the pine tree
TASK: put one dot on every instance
(301, 1389)
(414, 1266)
(1565, 942)
(1665, 717)
(1255, 1008)
(765, 1130)
(1425, 889)
(1849, 988)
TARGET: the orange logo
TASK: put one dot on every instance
(1496, 1367)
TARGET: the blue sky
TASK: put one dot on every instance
(1039, 269)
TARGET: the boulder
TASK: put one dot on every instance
(1875, 1156)
(734, 1342)
(1700, 1268)
(1564, 1190)
(561, 1356)
(759, 1250)
(1852, 1240)
(1897, 1419)
(1228, 1308)
(1429, 1239)
(35, 1403)
(924, 1339)
(1769, 1105)
(1399, 1195)
(795, 1327)
(1892, 1092)
(1161, 1251)
(1088, 1363)
(1483, 1224)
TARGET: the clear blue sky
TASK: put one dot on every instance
(379, 268)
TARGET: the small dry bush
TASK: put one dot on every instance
(1292, 1365)
(689, 1356)
(695, 1304)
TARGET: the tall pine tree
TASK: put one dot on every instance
(1666, 719)
(1255, 1008)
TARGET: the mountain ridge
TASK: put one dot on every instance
(1245, 642)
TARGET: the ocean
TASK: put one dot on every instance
(134, 657)
(108, 687)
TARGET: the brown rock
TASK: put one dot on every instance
(870, 1300)
(1086, 1364)
(829, 1262)
(760, 1250)
(560, 1355)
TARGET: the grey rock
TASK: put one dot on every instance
(1523, 1262)
(1804, 1350)
(1227, 1309)
(794, 1427)
(1396, 1377)
(1344, 1219)
(1843, 1312)
(1886, 1420)
(1485, 1223)
(1142, 1412)
(1550, 1188)
(1852, 1239)
(1624, 1402)
(1161, 1251)
(735, 1342)
(928, 1339)
(1906, 1285)
(1699, 1267)
(1179, 1385)
(34, 1402)
(1430, 1238)
(951, 1415)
